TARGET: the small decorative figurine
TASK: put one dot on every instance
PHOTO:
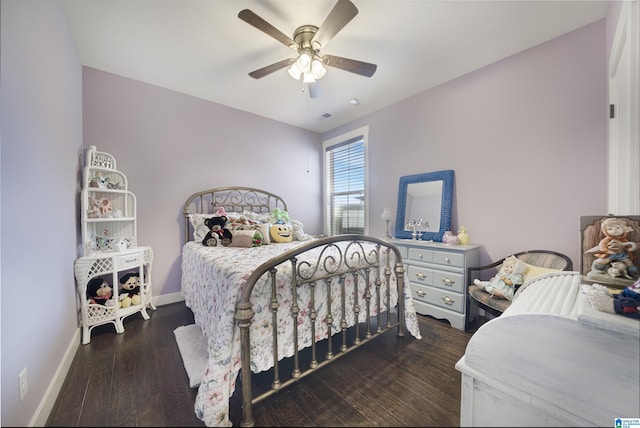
(450, 238)
(463, 236)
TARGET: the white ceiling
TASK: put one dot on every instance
(201, 48)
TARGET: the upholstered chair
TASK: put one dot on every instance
(538, 262)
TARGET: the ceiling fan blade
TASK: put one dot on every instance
(343, 12)
(261, 72)
(351, 65)
(252, 19)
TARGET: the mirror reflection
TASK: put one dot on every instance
(424, 205)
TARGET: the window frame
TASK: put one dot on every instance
(361, 133)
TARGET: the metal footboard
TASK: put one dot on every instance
(366, 261)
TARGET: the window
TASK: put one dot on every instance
(345, 180)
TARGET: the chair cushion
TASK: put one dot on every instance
(534, 271)
(485, 298)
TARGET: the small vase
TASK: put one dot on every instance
(463, 236)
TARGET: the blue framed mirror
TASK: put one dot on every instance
(424, 205)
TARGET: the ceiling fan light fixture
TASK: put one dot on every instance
(304, 62)
(308, 78)
(309, 68)
(308, 40)
(317, 69)
(294, 71)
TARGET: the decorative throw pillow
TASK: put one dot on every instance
(264, 229)
(200, 230)
(242, 240)
(280, 233)
(533, 271)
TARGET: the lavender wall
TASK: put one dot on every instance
(41, 105)
(171, 145)
(526, 136)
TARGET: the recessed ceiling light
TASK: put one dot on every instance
(354, 101)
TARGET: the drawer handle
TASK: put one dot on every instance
(129, 261)
(420, 256)
(447, 259)
(421, 293)
(448, 281)
(448, 300)
(420, 275)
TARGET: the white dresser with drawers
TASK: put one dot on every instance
(437, 274)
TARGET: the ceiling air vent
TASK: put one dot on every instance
(325, 116)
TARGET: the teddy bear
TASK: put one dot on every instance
(99, 292)
(509, 276)
(129, 293)
(217, 234)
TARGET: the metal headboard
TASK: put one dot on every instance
(233, 199)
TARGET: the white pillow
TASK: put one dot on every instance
(298, 232)
(199, 228)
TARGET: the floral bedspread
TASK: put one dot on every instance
(212, 282)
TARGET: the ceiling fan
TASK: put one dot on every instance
(309, 64)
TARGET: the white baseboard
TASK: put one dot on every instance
(166, 299)
(43, 411)
(41, 415)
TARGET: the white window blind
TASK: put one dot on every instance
(345, 184)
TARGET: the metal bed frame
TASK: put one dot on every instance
(339, 256)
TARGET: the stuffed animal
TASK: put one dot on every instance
(129, 293)
(509, 276)
(217, 233)
(220, 212)
(99, 292)
(99, 208)
(280, 232)
(240, 222)
(99, 181)
(626, 302)
(257, 239)
(104, 207)
(280, 215)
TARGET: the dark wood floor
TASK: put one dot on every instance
(137, 379)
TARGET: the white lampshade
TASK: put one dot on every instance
(304, 62)
(386, 214)
(294, 71)
(317, 69)
(307, 68)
